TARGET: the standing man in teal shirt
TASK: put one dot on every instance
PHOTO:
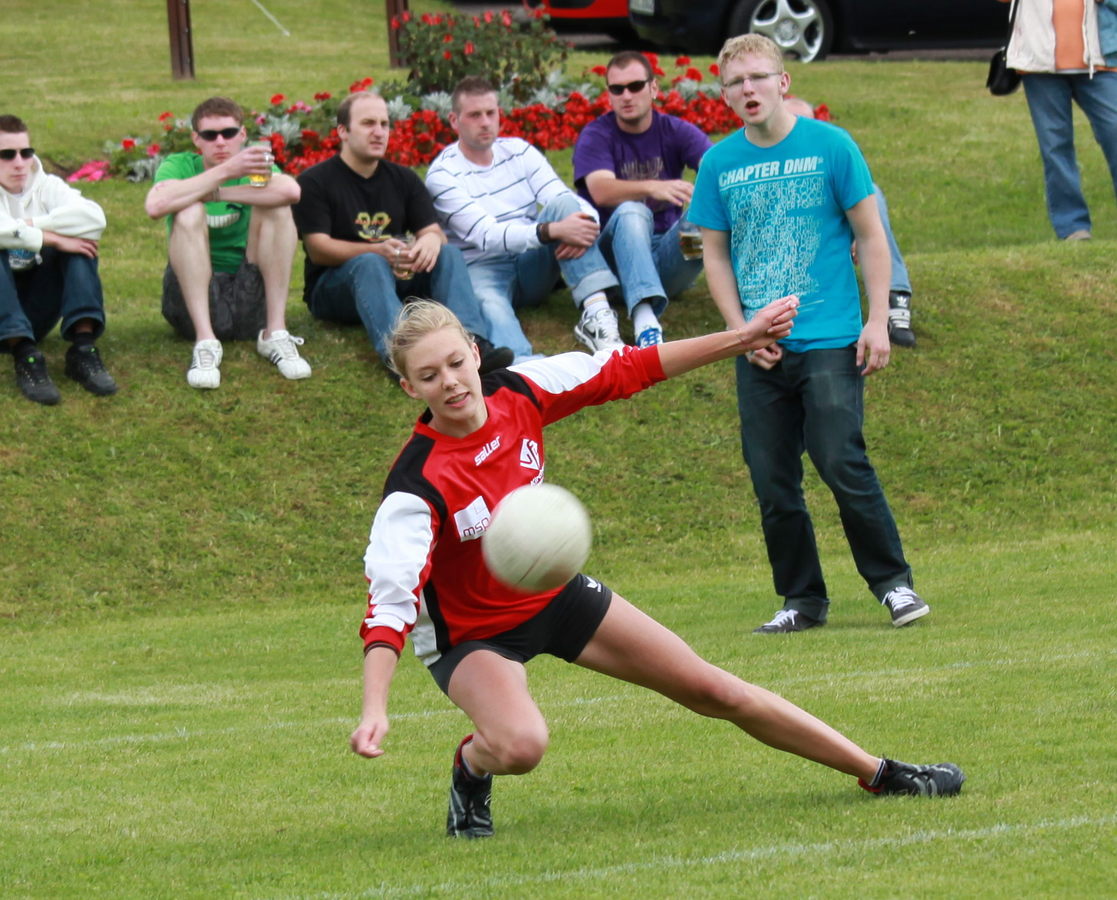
(779, 204)
(231, 244)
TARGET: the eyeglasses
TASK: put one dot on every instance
(210, 135)
(633, 87)
(24, 152)
(756, 79)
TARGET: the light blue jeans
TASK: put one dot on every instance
(650, 266)
(507, 283)
(901, 281)
(1050, 103)
(363, 290)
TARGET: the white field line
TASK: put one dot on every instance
(260, 6)
(782, 852)
(186, 734)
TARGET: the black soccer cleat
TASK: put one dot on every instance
(83, 365)
(469, 815)
(939, 780)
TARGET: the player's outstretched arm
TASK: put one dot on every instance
(380, 665)
(770, 324)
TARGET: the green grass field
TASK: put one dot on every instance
(181, 585)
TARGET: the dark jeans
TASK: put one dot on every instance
(813, 401)
(64, 286)
(364, 291)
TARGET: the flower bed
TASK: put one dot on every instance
(302, 134)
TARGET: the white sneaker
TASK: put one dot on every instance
(204, 371)
(599, 330)
(282, 349)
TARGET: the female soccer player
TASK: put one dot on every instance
(478, 440)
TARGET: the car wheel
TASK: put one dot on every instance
(802, 28)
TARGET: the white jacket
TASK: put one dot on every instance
(53, 206)
(1032, 46)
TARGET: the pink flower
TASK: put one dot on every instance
(94, 170)
(152, 149)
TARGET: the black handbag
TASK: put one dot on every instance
(1003, 80)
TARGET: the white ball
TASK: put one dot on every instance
(539, 538)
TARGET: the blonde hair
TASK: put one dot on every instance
(418, 318)
(751, 43)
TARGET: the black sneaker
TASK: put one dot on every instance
(492, 358)
(899, 319)
(33, 379)
(469, 815)
(905, 605)
(83, 364)
(785, 621)
(939, 780)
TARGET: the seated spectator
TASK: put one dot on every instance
(899, 295)
(49, 243)
(629, 163)
(372, 237)
(518, 226)
(231, 244)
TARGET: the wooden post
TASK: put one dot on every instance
(394, 8)
(182, 41)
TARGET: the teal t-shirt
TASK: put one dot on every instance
(228, 222)
(784, 208)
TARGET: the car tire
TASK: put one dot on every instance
(804, 29)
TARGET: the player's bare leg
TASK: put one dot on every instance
(632, 646)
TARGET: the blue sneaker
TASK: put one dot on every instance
(650, 337)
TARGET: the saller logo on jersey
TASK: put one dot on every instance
(529, 455)
(472, 521)
(492, 445)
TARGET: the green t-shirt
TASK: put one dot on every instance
(228, 222)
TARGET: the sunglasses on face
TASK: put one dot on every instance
(633, 87)
(25, 153)
(210, 135)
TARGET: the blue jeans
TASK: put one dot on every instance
(363, 290)
(650, 266)
(1049, 101)
(504, 284)
(64, 286)
(813, 401)
(901, 281)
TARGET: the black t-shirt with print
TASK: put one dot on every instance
(343, 204)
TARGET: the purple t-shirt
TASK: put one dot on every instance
(663, 151)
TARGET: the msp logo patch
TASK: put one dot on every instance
(472, 521)
(529, 455)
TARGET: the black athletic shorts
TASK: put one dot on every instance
(236, 304)
(562, 628)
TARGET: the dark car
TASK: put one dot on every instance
(809, 29)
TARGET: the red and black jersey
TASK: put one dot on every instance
(424, 565)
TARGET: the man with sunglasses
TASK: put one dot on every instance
(231, 245)
(49, 243)
(629, 163)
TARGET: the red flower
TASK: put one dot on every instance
(277, 99)
(693, 74)
(323, 95)
(165, 116)
(682, 61)
(446, 54)
(405, 16)
(447, 38)
(128, 144)
(395, 23)
(599, 70)
(469, 48)
(488, 16)
(822, 112)
(714, 70)
(152, 149)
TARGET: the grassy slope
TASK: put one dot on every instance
(181, 571)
